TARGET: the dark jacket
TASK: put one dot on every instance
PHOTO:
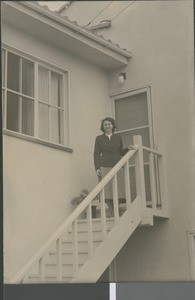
(107, 151)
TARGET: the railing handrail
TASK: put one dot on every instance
(152, 151)
(74, 215)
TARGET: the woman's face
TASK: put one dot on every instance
(107, 125)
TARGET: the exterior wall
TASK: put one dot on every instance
(84, 11)
(160, 36)
(39, 181)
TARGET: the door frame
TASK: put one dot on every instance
(132, 92)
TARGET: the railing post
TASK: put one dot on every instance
(25, 279)
(103, 214)
(59, 258)
(90, 232)
(75, 247)
(115, 198)
(153, 180)
(162, 179)
(139, 170)
(41, 269)
(127, 186)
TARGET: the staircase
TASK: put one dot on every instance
(81, 249)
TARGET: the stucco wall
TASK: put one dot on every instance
(161, 39)
(160, 36)
(39, 181)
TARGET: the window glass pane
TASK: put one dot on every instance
(54, 89)
(13, 73)
(27, 116)
(60, 88)
(55, 125)
(3, 68)
(12, 112)
(43, 84)
(62, 127)
(128, 137)
(3, 107)
(43, 122)
(27, 77)
(132, 112)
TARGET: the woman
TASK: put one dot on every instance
(107, 152)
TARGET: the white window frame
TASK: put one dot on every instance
(65, 98)
(191, 239)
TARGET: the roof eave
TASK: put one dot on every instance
(76, 28)
(64, 34)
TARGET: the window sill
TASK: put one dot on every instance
(38, 141)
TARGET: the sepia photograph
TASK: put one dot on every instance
(98, 142)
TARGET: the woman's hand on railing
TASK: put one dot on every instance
(131, 147)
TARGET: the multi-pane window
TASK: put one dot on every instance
(33, 97)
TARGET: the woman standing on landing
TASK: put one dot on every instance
(108, 151)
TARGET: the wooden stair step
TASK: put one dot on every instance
(67, 269)
(96, 224)
(67, 246)
(33, 278)
(83, 236)
(68, 257)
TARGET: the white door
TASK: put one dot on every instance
(133, 116)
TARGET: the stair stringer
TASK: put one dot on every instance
(108, 249)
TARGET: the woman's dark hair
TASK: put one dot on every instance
(111, 120)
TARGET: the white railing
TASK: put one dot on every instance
(157, 179)
(71, 222)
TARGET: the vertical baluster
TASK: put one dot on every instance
(36, 103)
(5, 99)
(139, 170)
(59, 258)
(23, 280)
(75, 247)
(41, 269)
(20, 98)
(90, 232)
(103, 214)
(115, 198)
(163, 182)
(127, 185)
(153, 186)
(158, 202)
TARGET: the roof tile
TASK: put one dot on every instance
(56, 13)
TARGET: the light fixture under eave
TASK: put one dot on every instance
(122, 77)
